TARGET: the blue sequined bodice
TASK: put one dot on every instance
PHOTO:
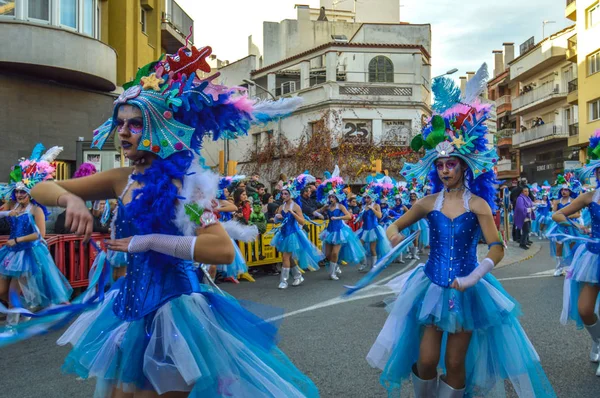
(335, 225)
(152, 278)
(562, 206)
(21, 225)
(453, 247)
(290, 225)
(543, 210)
(595, 215)
(369, 220)
(399, 210)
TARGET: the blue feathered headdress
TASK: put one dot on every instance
(296, 185)
(332, 185)
(589, 170)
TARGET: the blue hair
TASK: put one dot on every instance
(482, 186)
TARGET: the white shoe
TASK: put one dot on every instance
(598, 371)
(595, 352)
(285, 273)
(415, 254)
(558, 271)
(364, 266)
(9, 332)
(298, 278)
(333, 272)
(298, 281)
(594, 331)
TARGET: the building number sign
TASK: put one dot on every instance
(357, 131)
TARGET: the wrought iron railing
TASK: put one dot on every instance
(573, 129)
(543, 132)
(547, 90)
(176, 17)
(572, 85)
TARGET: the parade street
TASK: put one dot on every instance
(328, 337)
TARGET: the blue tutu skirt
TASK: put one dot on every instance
(237, 267)
(569, 247)
(41, 283)
(204, 343)
(499, 349)
(584, 269)
(423, 226)
(306, 255)
(378, 235)
(352, 251)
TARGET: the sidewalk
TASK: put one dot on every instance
(513, 253)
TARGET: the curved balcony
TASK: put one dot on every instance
(59, 54)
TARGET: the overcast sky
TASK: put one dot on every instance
(464, 32)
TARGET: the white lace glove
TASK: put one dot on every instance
(172, 245)
(475, 276)
(4, 213)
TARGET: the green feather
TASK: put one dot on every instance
(194, 211)
(16, 175)
(417, 143)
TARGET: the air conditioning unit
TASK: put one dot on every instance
(288, 87)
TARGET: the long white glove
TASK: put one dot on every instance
(4, 213)
(475, 276)
(172, 245)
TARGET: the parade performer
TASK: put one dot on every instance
(339, 241)
(160, 330)
(290, 240)
(451, 312)
(26, 266)
(371, 234)
(582, 283)
(569, 189)
(543, 212)
(422, 227)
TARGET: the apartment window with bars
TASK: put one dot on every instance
(143, 19)
(594, 15)
(381, 70)
(594, 63)
(594, 110)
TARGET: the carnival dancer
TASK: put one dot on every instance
(160, 330)
(421, 227)
(543, 211)
(582, 283)
(26, 266)
(371, 234)
(290, 240)
(451, 312)
(569, 189)
(339, 241)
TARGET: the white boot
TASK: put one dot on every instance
(333, 271)
(365, 265)
(410, 255)
(285, 273)
(415, 253)
(401, 260)
(558, 267)
(445, 391)
(594, 331)
(373, 261)
(424, 388)
(298, 278)
(12, 320)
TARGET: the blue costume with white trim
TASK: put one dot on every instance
(339, 233)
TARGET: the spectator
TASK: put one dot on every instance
(272, 206)
(523, 215)
(282, 180)
(308, 205)
(253, 185)
(265, 200)
(240, 199)
(353, 206)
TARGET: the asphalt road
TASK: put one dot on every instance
(328, 338)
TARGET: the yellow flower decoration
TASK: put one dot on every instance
(26, 181)
(458, 142)
(151, 82)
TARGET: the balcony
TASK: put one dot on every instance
(503, 104)
(538, 98)
(506, 169)
(573, 134)
(50, 52)
(504, 138)
(571, 10)
(572, 49)
(544, 133)
(573, 92)
(175, 27)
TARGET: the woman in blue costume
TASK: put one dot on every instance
(396, 212)
(563, 252)
(543, 212)
(339, 241)
(451, 313)
(371, 234)
(290, 240)
(160, 330)
(421, 227)
(582, 283)
(26, 266)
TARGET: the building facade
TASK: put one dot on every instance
(62, 67)
(539, 80)
(371, 81)
(583, 50)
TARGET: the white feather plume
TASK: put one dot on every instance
(240, 232)
(51, 154)
(281, 107)
(476, 85)
(336, 171)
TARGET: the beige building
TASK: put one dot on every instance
(540, 77)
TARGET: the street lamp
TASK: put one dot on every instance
(544, 23)
(450, 72)
(253, 83)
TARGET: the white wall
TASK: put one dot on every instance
(234, 73)
(395, 34)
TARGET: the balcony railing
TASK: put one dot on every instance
(505, 165)
(573, 129)
(506, 133)
(545, 91)
(175, 16)
(505, 99)
(540, 133)
(572, 85)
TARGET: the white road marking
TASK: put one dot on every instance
(373, 290)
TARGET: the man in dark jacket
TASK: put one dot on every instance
(308, 205)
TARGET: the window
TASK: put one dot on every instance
(594, 63)
(88, 17)
(7, 7)
(39, 9)
(143, 19)
(594, 110)
(594, 15)
(381, 70)
(68, 13)
(256, 142)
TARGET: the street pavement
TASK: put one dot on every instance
(328, 337)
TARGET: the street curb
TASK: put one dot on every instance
(527, 255)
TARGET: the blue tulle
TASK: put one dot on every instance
(338, 233)
(584, 269)
(291, 239)
(116, 259)
(499, 348)
(375, 234)
(423, 226)
(237, 267)
(186, 345)
(569, 248)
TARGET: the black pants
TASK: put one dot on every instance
(525, 233)
(516, 233)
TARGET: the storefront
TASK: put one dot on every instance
(544, 162)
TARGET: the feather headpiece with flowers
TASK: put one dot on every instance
(29, 172)
(457, 129)
(179, 109)
(226, 181)
(593, 162)
(570, 182)
(378, 187)
(332, 185)
(296, 185)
